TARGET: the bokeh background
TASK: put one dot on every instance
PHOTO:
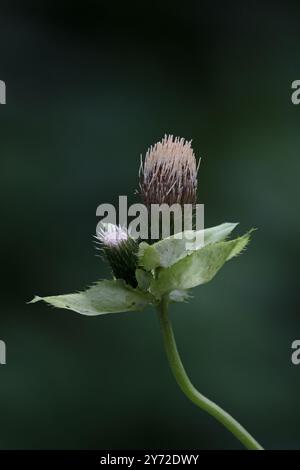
(89, 87)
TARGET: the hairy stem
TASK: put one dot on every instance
(188, 388)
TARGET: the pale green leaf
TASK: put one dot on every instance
(103, 297)
(198, 267)
(179, 296)
(167, 252)
(143, 278)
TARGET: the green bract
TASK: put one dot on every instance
(197, 267)
(103, 297)
(167, 252)
(167, 267)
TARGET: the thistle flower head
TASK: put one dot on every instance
(112, 235)
(120, 250)
(169, 173)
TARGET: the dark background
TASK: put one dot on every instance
(90, 85)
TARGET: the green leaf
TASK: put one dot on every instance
(179, 296)
(148, 256)
(198, 267)
(143, 278)
(218, 233)
(103, 297)
(167, 252)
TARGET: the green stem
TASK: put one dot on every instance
(190, 391)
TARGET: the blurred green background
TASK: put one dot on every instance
(89, 87)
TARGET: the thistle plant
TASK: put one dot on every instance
(158, 274)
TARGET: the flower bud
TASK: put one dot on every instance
(120, 250)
